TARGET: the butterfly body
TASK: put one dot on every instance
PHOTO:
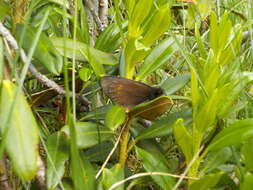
(128, 93)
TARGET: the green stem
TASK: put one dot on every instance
(123, 143)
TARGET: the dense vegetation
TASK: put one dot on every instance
(60, 131)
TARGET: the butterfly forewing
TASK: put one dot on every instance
(125, 92)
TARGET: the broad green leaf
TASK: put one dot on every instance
(139, 14)
(216, 158)
(229, 93)
(21, 132)
(153, 147)
(184, 139)
(247, 151)
(89, 134)
(232, 48)
(207, 182)
(88, 173)
(159, 24)
(208, 112)
(100, 152)
(57, 155)
(4, 10)
(152, 163)
(201, 47)
(247, 184)
(172, 85)
(113, 175)
(158, 129)
(225, 27)
(85, 74)
(233, 134)
(204, 7)
(133, 55)
(84, 53)
(45, 51)
(130, 4)
(98, 114)
(158, 57)
(109, 40)
(115, 116)
(212, 80)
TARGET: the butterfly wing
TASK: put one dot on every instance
(125, 92)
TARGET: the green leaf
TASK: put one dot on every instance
(163, 126)
(214, 33)
(184, 139)
(21, 140)
(152, 163)
(115, 116)
(113, 175)
(248, 182)
(83, 52)
(88, 173)
(248, 154)
(216, 158)
(212, 79)
(139, 14)
(99, 113)
(201, 47)
(172, 85)
(207, 182)
(158, 57)
(4, 10)
(194, 92)
(231, 50)
(109, 40)
(158, 129)
(85, 74)
(89, 134)
(57, 155)
(207, 114)
(159, 24)
(229, 93)
(233, 134)
(45, 51)
(1, 59)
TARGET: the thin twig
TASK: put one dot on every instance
(91, 7)
(103, 12)
(42, 78)
(187, 169)
(41, 173)
(4, 179)
(110, 154)
(149, 174)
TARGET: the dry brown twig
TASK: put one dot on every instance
(42, 78)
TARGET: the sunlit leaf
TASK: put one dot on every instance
(233, 134)
(115, 116)
(57, 155)
(206, 182)
(152, 163)
(21, 132)
(113, 175)
(89, 134)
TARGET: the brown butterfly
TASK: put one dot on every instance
(128, 93)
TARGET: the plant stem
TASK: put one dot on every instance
(124, 142)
